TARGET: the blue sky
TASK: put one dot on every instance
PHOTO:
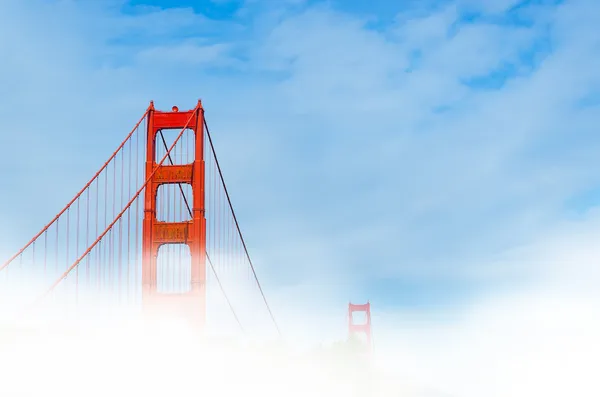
(417, 154)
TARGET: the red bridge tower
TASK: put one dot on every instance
(364, 328)
(189, 304)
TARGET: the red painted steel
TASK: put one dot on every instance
(190, 305)
(103, 233)
(78, 195)
(109, 229)
(360, 328)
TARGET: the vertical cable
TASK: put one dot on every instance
(214, 213)
(112, 235)
(33, 255)
(128, 227)
(68, 237)
(218, 231)
(102, 264)
(120, 270)
(233, 269)
(87, 238)
(137, 210)
(99, 266)
(45, 253)
(77, 253)
(56, 247)
(97, 223)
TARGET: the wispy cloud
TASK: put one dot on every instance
(437, 147)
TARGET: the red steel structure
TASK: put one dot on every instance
(191, 302)
(364, 328)
(154, 227)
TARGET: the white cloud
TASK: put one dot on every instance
(365, 123)
(185, 53)
(489, 7)
(518, 345)
(339, 166)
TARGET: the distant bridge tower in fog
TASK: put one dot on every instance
(355, 329)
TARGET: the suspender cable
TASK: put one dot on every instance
(239, 230)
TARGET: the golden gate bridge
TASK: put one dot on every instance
(154, 230)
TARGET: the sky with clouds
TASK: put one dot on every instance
(425, 155)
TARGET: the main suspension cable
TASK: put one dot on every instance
(239, 230)
(76, 263)
(207, 256)
(8, 262)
